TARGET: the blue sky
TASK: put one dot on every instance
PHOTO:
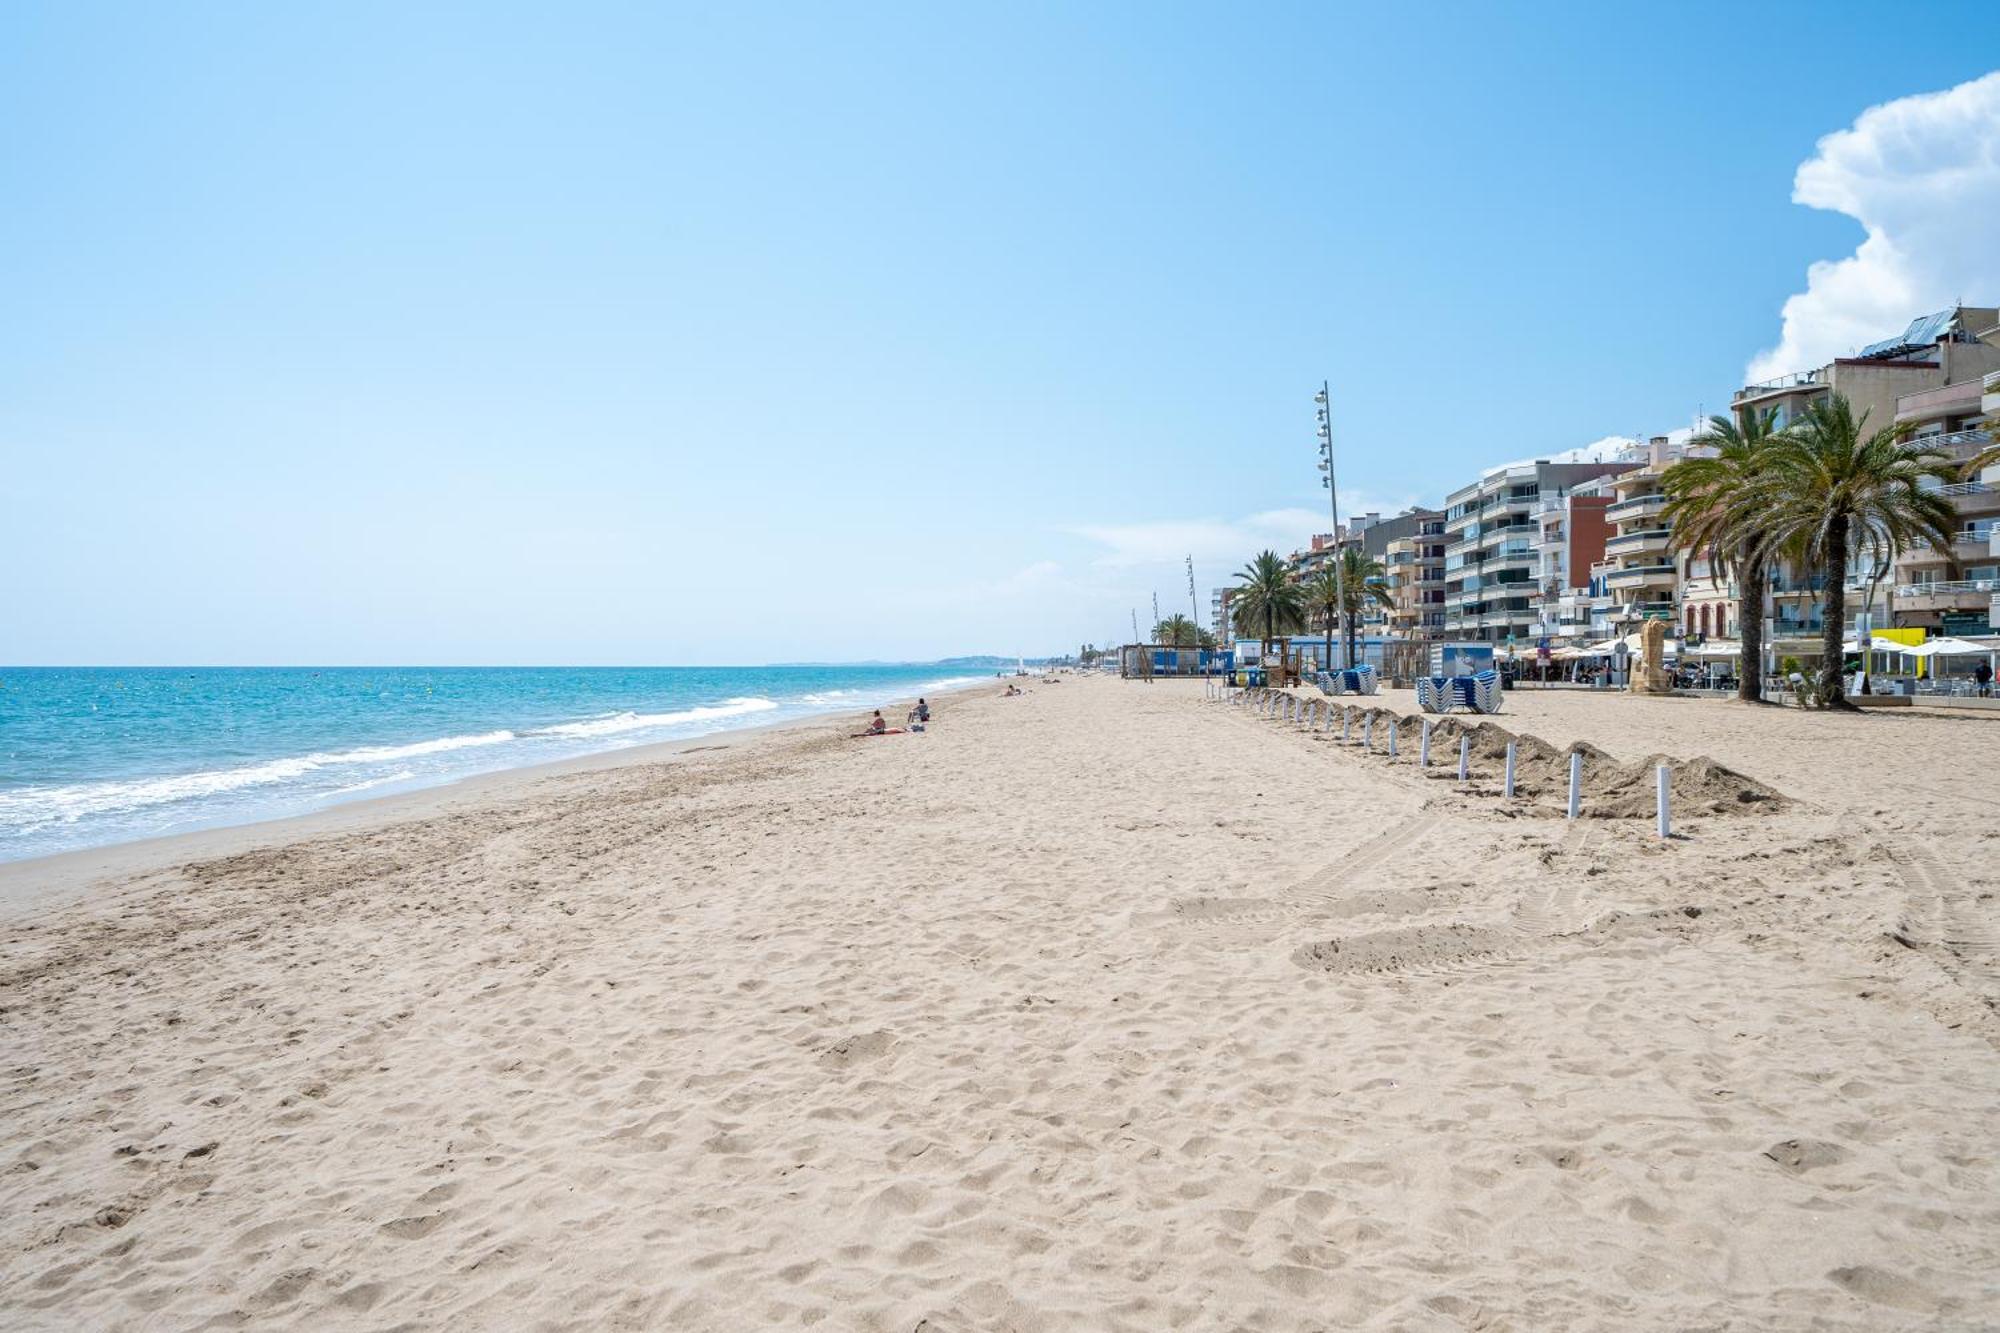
(741, 333)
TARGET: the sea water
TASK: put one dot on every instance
(90, 756)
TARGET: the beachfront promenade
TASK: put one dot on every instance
(1105, 1008)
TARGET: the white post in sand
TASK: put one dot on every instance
(1510, 770)
(1346, 721)
(1575, 782)
(1392, 738)
(1424, 748)
(1661, 781)
(1464, 757)
(1368, 732)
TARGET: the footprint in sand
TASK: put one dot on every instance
(859, 1049)
(1801, 1155)
(1885, 1288)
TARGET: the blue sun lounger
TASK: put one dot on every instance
(1476, 693)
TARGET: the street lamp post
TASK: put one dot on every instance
(1194, 605)
(1333, 501)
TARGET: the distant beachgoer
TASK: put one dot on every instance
(923, 710)
(876, 726)
(1982, 675)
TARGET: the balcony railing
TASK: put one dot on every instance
(1639, 573)
(1797, 380)
(1634, 507)
(1638, 541)
(1942, 587)
(1972, 438)
(1957, 488)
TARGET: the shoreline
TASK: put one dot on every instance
(38, 883)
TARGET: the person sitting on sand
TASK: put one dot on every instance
(1012, 690)
(923, 710)
(876, 726)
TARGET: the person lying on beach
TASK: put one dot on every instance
(1012, 690)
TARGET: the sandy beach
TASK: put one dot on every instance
(1103, 1008)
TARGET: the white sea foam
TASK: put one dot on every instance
(34, 806)
(818, 698)
(615, 723)
(953, 682)
(403, 776)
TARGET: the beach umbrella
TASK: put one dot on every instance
(1950, 647)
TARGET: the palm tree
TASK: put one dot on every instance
(1357, 583)
(1828, 477)
(1322, 594)
(1267, 602)
(1178, 631)
(1715, 508)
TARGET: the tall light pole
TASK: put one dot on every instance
(1194, 605)
(1333, 500)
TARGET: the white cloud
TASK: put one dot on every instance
(1922, 176)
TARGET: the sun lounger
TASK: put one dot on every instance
(1484, 691)
(1476, 693)
(1434, 694)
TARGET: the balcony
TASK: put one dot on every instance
(1638, 506)
(1948, 595)
(1640, 543)
(1973, 543)
(1642, 576)
(1969, 441)
(1957, 489)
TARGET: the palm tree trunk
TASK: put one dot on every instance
(1832, 680)
(1750, 668)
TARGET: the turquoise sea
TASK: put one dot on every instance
(98, 755)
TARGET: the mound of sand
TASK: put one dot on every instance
(1612, 789)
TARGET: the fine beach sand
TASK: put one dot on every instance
(1104, 1008)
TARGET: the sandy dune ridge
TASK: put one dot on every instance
(1102, 1008)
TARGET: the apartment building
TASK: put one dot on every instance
(1491, 558)
(1949, 347)
(1989, 402)
(1951, 591)
(1414, 561)
(1641, 568)
(1571, 529)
